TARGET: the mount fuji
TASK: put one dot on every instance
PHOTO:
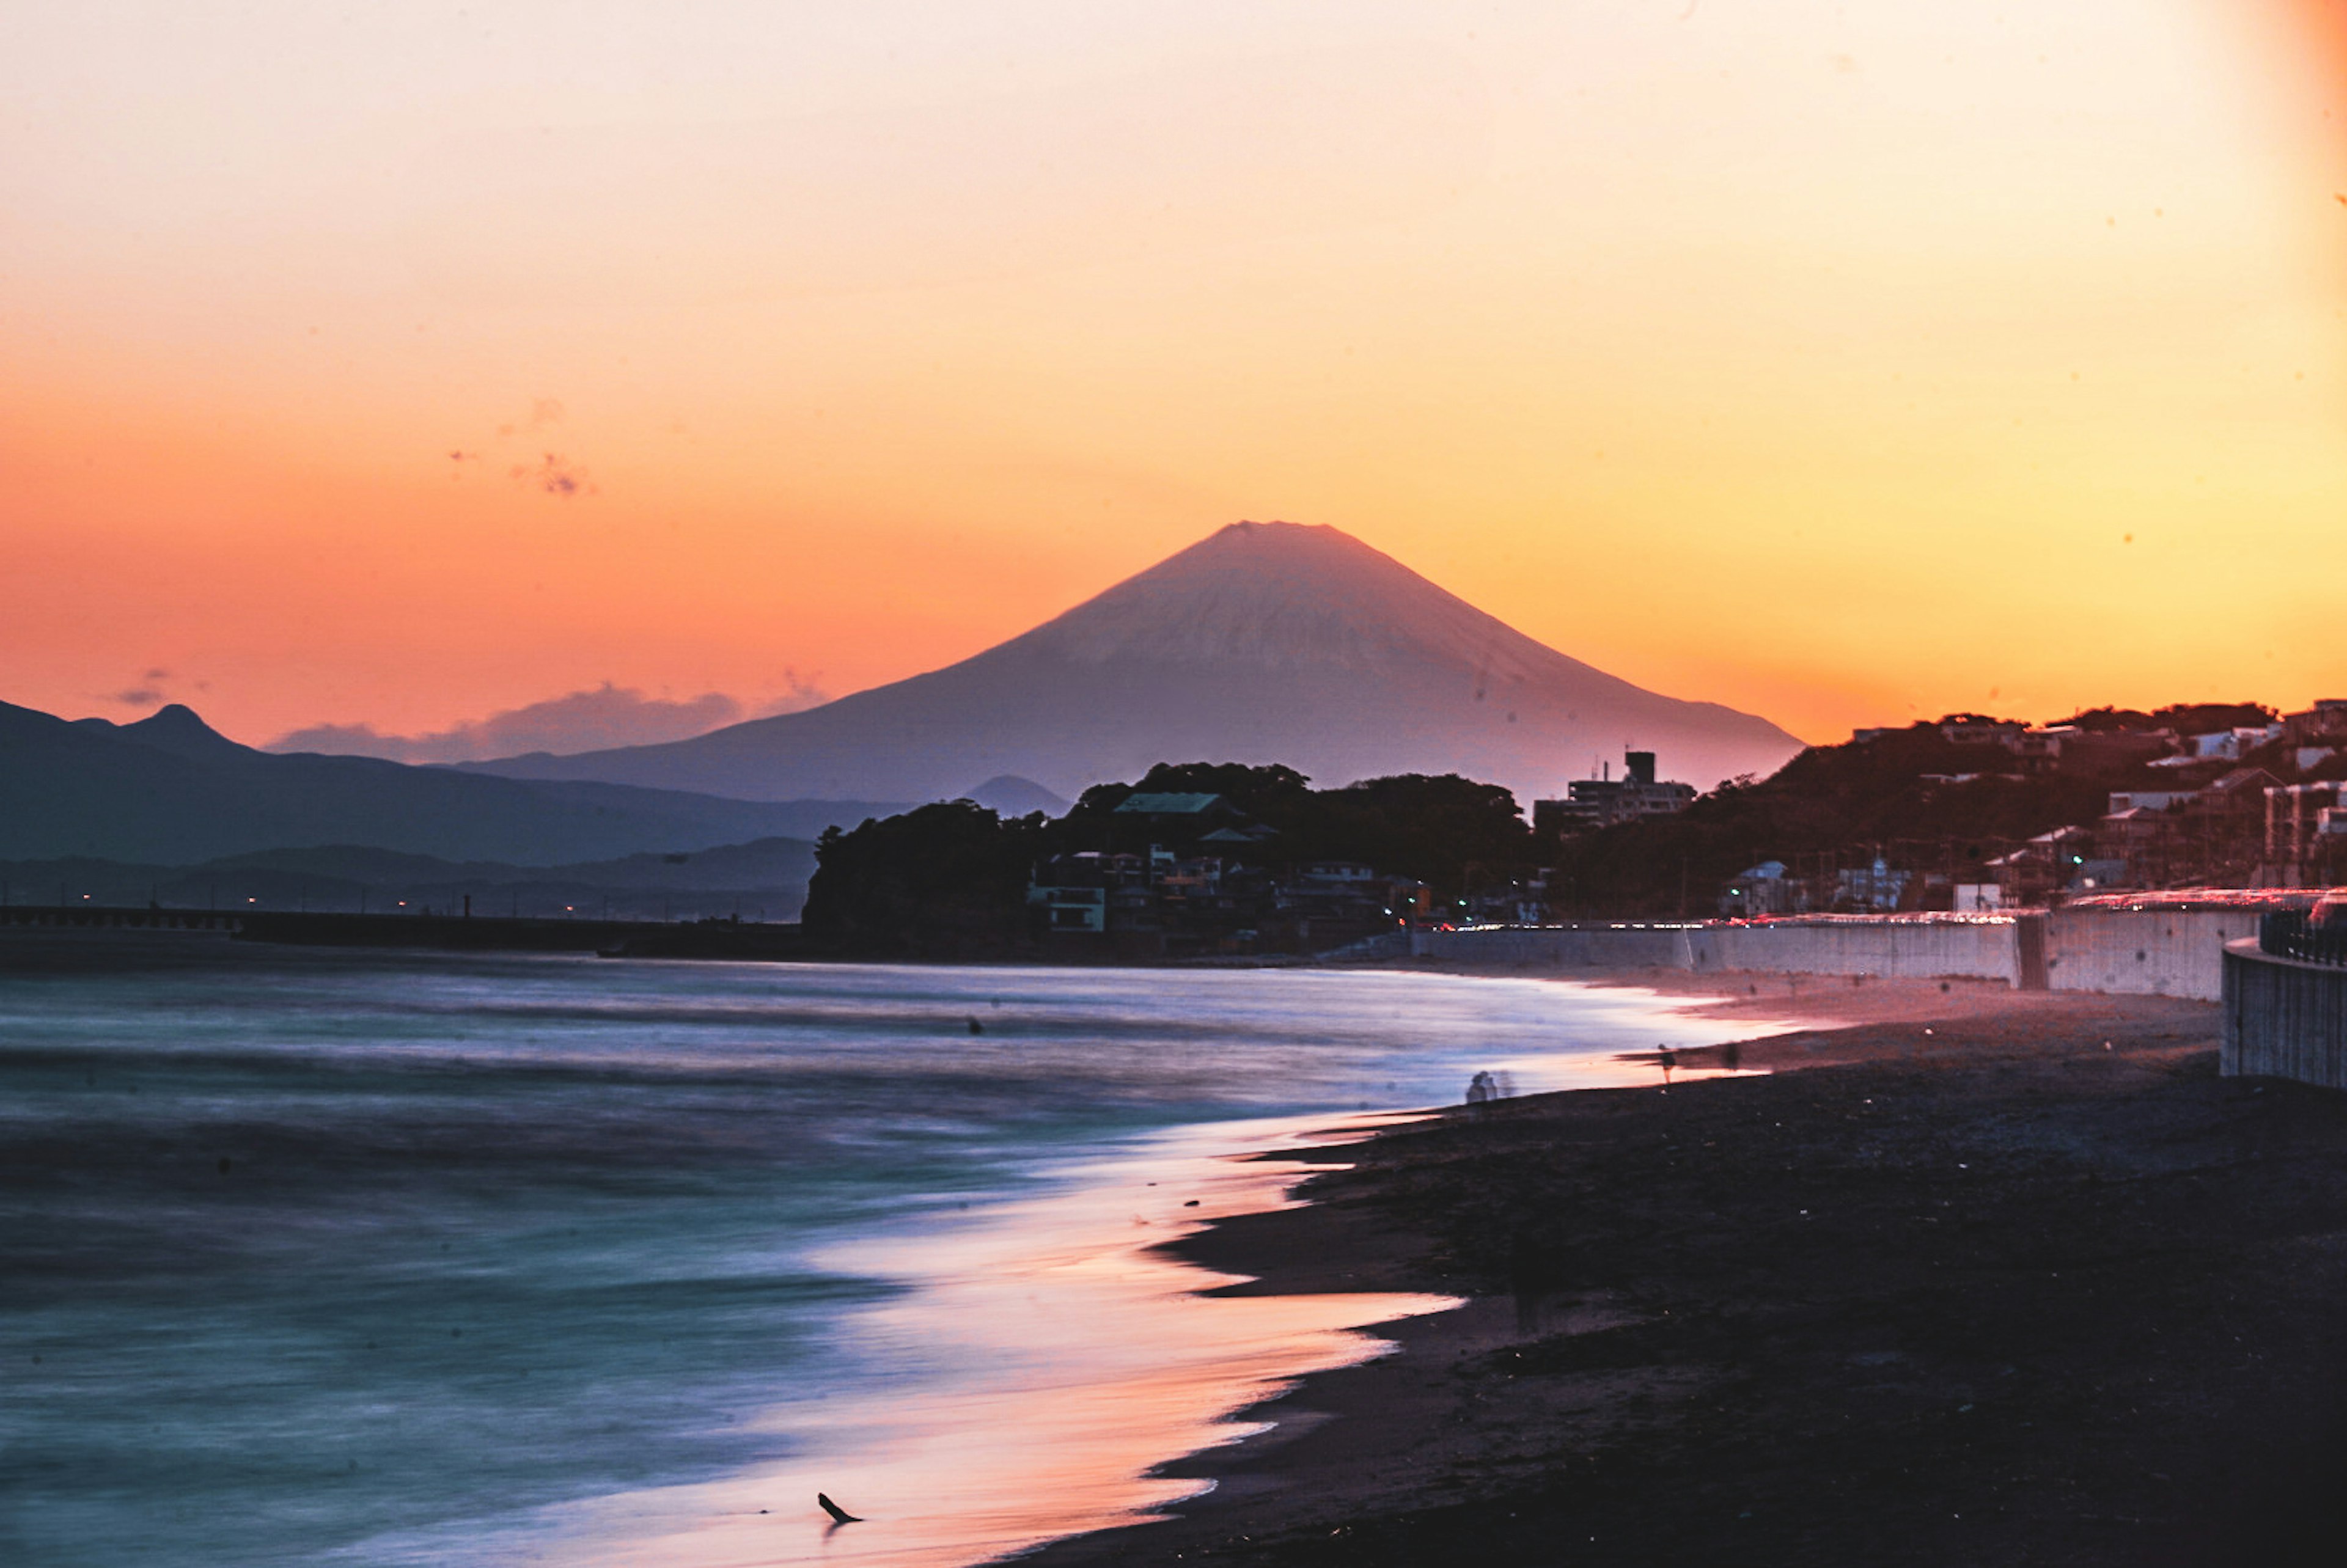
(1263, 642)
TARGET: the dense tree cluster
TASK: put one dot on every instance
(1438, 828)
(2184, 718)
(946, 880)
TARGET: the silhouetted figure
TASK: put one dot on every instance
(1480, 1092)
(976, 1026)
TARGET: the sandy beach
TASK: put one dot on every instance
(1968, 1276)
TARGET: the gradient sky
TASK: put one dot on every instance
(400, 364)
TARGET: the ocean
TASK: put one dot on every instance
(377, 1258)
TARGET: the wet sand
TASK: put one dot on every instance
(1992, 1279)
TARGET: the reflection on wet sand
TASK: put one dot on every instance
(1070, 1355)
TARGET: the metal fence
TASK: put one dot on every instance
(2286, 934)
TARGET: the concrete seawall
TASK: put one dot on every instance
(2283, 1019)
(2145, 953)
(1971, 946)
(1594, 946)
(1924, 948)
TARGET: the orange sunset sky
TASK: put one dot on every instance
(1845, 362)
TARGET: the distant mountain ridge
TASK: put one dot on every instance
(1263, 642)
(170, 790)
(1006, 794)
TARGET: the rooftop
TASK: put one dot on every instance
(1171, 805)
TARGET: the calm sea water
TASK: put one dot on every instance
(382, 1259)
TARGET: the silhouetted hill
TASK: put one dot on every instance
(170, 790)
(1266, 643)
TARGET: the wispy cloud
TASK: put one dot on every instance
(556, 476)
(799, 694)
(553, 473)
(593, 720)
(152, 688)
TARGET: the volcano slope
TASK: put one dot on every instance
(1265, 643)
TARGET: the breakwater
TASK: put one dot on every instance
(106, 918)
(455, 933)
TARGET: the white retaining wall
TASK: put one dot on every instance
(1968, 946)
(1927, 949)
(1607, 946)
(2143, 952)
(2147, 952)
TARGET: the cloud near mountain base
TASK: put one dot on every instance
(597, 719)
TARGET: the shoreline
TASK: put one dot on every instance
(1995, 1276)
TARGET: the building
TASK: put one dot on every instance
(1066, 909)
(1194, 819)
(1872, 887)
(1200, 812)
(2125, 800)
(1160, 903)
(1198, 879)
(2031, 874)
(1078, 892)
(2230, 746)
(2325, 722)
(2296, 817)
(2229, 818)
(2099, 874)
(2133, 848)
(1974, 729)
(1605, 801)
(2039, 750)
(1764, 889)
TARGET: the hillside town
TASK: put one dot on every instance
(1972, 812)
(2251, 805)
(1193, 890)
(1969, 814)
